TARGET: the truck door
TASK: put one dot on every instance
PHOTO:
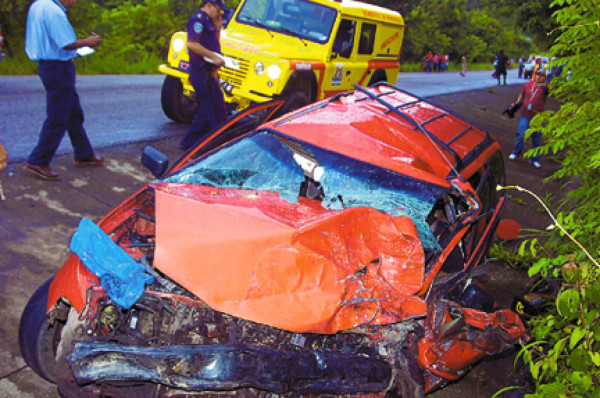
(342, 69)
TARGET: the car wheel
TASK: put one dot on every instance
(293, 101)
(38, 339)
(175, 104)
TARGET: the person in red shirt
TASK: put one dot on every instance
(533, 97)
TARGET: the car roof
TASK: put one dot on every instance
(390, 128)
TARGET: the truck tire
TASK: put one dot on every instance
(37, 337)
(293, 101)
(175, 104)
(378, 76)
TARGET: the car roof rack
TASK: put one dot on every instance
(406, 116)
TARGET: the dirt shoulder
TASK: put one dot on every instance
(484, 108)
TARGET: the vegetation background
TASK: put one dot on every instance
(136, 32)
(564, 356)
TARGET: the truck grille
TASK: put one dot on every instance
(233, 76)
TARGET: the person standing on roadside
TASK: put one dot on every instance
(51, 41)
(521, 66)
(539, 67)
(203, 31)
(429, 58)
(501, 65)
(533, 96)
(463, 64)
(436, 62)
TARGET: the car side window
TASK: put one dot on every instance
(367, 38)
(344, 40)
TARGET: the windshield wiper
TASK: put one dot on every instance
(292, 33)
(259, 23)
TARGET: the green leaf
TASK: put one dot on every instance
(580, 359)
(582, 381)
(593, 292)
(567, 303)
(576, 335)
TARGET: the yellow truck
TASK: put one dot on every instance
(298, 50)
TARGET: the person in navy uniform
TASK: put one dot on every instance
(204, 47)
(51, 41)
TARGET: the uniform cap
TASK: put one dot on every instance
(218, 3)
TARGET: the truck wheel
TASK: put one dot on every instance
(378, 76)
(37, 338)
(175, 104)
(293, 101)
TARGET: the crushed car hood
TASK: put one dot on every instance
(298, 267)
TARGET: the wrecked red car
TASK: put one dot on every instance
(332, 251)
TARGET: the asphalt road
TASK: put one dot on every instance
(123, 109)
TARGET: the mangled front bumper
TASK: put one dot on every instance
(230, 367)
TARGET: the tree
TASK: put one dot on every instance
(535, 18)
(565, 355)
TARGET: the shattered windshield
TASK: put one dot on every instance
(267, 161)
(299, 18)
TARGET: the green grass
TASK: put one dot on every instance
(101, 62)
(416, 67)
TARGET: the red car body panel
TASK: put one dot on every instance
(297, 267)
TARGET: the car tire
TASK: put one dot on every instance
(175, 104)
(293, 101)
(37, 338)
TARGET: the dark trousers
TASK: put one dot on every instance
(501, 72)
(211, 110)
(63, 113)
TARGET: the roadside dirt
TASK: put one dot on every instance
(484, 108)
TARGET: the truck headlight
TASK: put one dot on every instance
(259, 68)
(273, 72)
(177, 45)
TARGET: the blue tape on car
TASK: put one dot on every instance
(123, 278)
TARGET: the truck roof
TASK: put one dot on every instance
(367, 11)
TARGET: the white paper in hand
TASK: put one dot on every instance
(85, 50)
(229, 62)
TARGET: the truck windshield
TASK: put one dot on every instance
(299, 18)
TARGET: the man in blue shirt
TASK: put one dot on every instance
(204, 47)
(51, 41)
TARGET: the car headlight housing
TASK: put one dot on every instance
(259, 68)
(178, 45)
(273, 72)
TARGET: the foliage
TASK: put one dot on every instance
(565, 356)
(457, 27)
(134, 31)
(132, 28)
(535, 17)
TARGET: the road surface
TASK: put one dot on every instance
(123, 109)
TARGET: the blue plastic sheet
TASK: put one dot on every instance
(123, 278)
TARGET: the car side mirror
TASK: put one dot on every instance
(155, 161)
